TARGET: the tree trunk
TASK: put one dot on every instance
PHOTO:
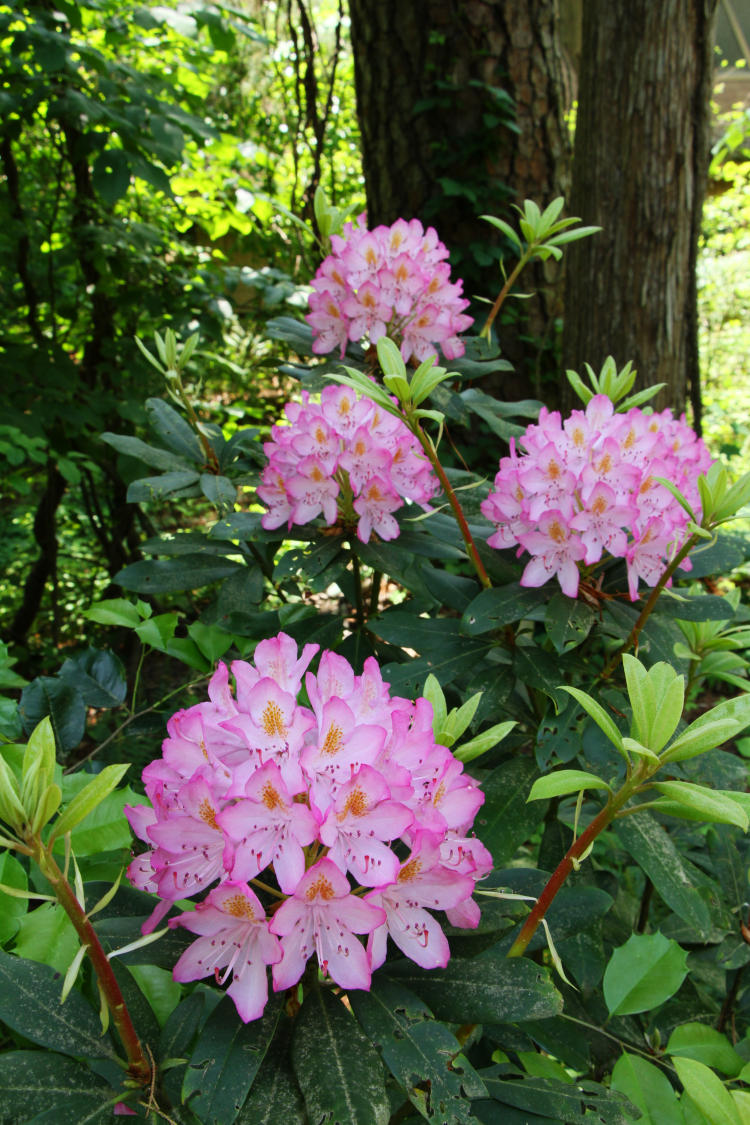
(640, 169)
(460, 110)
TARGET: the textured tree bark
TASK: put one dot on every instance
(640, 169)
(440, 139)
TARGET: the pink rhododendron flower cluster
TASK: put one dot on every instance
(391, 281)
(588, 485)
(345, 459)
(307, 825)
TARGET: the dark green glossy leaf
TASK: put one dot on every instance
(158, 488)
(489, 988)
(506, 820)
(421, 1053)
(502, 605)
(653, 850)
(166, 576)
(338, 1069)
(60, 1089)
(275, 1095)
(30, 1004)
(63, 703)
(162, 459)
(225, 1061)
(571, 1103)
(221, 491)
(567, 622)
(99, 677)
(706, 607)
(173, 430)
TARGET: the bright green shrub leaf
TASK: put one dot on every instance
(338, 1069)
(157, 985)
(486, 989)
(483, 742)
(505, 819)
(654, 852)
(704, 803)
(212, 641)
(649, 1089)
(741, 1099)
(565, 781)
(33, 1082)
(46, 934)
(708, 1092)
(416, 1049)
(30, 1004)
(225, 1061)
(91, 796)
(643, 973)
(707, 1045)
(12, 909)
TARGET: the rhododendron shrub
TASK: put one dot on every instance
(588, 487)
(345, 459)
(391, 281)
(310, 825)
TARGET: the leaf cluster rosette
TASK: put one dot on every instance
(344, 458)
(593, 485)
(391, 281)
(357, 820)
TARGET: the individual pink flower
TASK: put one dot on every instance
(555, 552)
(422, 883)
(234, 936)
(323, 917)
(359, 822)
(267, 826)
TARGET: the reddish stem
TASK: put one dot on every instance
(458, 511)
(139, 1067)
(558, 877)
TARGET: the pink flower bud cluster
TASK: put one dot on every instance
(343, 458)
(344, 816)
(391, 281)
(588, 485)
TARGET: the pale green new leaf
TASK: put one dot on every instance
(596, 712)
(710, 730)
(89, 797)
(565, 781)
(642, 698)
(705, 803)
(389, 358)
(483, 742)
